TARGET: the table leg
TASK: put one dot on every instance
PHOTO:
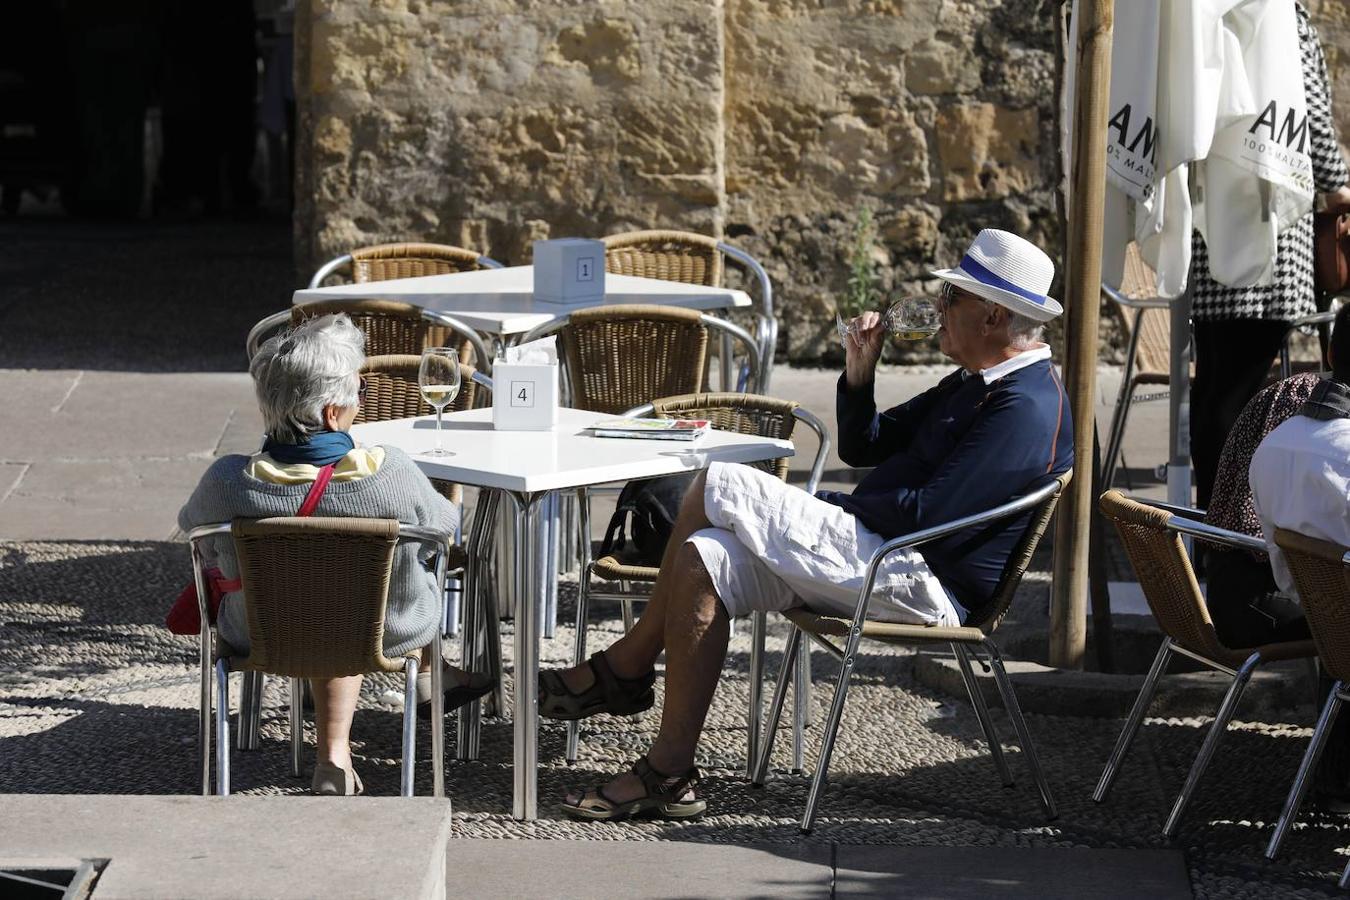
(547, 563)
(525, 776)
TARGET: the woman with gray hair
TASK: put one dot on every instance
(309, 387)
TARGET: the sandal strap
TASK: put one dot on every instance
(614, 686)
(660, 784)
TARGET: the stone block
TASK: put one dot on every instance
(226, 847)
(987, 151)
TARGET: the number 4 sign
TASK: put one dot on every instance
(522, 394)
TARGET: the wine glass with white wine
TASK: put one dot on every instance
(438, 378)
(908, 319)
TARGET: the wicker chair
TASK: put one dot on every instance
(1321, 573)
(316, 590)
(618, 357)
(385, 262)
(741, 413)
(697, 259)
(964, 642)
(1152, 539)
(1143, 316)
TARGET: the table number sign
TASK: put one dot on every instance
(569, 271)
(525, 387)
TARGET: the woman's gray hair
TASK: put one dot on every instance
(299, 372)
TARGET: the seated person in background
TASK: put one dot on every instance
(1300, 478)
(309, 387)
(1242, 596)
(746, 541)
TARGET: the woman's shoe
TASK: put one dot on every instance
(466, 687)
(334, 781)
(609, 693)
(667, 796)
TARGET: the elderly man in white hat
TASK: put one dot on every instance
(745, 541)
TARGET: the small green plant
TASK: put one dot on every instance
(863, 292)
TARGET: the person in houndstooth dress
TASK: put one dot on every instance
(1239, 330)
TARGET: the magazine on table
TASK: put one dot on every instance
(652, 429)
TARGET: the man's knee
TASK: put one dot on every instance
(693, 497)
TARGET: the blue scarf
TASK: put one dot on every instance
(321, 449)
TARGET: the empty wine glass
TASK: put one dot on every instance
(438, 378)
(908, 319)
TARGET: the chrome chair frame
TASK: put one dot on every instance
(1318, 318)
(726, 330)
(848, 653)
(766, 325)
(758, 626)
(250, 710)
(333, 265)
(281, 320)
(1184, 520)
(1339, 693)
(1125, 397)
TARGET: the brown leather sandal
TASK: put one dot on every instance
(667, 796)
(608, 694)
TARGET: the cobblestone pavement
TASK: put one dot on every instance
(96, 697)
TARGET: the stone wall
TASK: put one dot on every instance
(773, 123)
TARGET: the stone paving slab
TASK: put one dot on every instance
(1010, 873)
(581, 870)
(230, 847)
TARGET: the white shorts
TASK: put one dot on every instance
(776, 547)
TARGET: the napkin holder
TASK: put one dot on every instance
(524, 396)
(569, 271)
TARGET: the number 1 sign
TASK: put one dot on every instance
(569, 271)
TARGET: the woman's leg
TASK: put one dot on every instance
(1232, 361)
(334, 706)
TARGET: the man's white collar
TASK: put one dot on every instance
(1012, 364)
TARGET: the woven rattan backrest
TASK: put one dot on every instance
(316, 589)
(1323, 582)
(619, 357)
(988, 617)
(392, 391)
(384, 262)
(1165, 574)
(390, 326)
(741, 413)
(1153, 353)
(667, 255)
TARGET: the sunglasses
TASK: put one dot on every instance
(950, 293)
(361, 389)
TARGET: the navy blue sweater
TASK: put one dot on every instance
(954, 450)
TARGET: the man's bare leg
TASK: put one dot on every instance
(635, 653)
(696, 632)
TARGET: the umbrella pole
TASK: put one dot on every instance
(1068, 601)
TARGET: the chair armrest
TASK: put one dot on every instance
(1135, 302)
(1186, 512)
(260, 331)
(483, 359)
(1215, 535)
(914, 539)
(1012, 507)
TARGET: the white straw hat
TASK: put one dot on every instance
(1009, 270)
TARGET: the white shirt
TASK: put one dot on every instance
(1300, 478)
(1013, 363)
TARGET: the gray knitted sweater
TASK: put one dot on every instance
(397, 490)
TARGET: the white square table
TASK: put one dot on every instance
(501, 302)
(528, 466)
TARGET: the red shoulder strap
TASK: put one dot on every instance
(316, 491)
(225, 586)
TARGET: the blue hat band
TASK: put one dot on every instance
(976, 270)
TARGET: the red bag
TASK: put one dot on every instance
(185, 615)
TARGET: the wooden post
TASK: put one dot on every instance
(1087, 179)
